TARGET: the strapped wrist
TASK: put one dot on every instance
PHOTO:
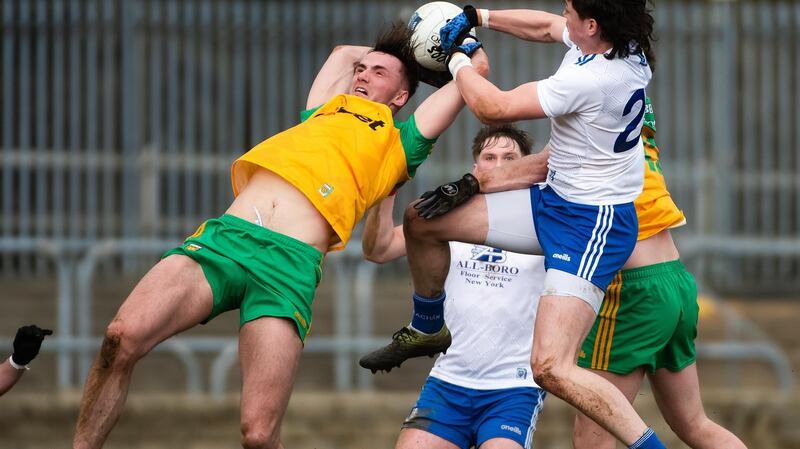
(483, 18)
(473, 16)
(15, 365)
(457, 62)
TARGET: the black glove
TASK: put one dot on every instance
(27, 343)
(447, 197)
(433, 78)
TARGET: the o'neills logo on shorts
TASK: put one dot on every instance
(565, 257)
(514, 429)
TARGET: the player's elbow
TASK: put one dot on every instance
(342, 49)
(482, 67)
(491, 116)
(490, 112)
(347, 52)
(537, 173)
(374, 256)
(370, 249)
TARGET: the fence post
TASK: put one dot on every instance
(130, 74)
(723, 123)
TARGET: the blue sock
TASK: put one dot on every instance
(648, 441)
(428, 313)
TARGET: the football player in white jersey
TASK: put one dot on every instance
(582, 219)
(481, 393)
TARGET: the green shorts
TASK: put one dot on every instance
(258, 271)
(648, 318)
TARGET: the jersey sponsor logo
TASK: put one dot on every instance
(325, 190)
(562, 256)
(487, 267)
(514, 429)
(373, 124)
(487, 254)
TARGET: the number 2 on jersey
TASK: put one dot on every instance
(622, 143)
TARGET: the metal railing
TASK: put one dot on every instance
(119, 120)
(354, 283)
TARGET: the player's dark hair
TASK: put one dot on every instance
(489, 134)
(396, 41)
(626, 24)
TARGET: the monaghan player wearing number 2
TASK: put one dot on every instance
(582, 219)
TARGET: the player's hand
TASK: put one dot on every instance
(447, 197)
(433, 78)
(27, 343)
(458, 28)
(468, 47)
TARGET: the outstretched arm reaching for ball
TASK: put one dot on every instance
(490, 104)
(336, 75)
(440, 110)
(526, 24)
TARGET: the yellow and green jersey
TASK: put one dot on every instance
(345, 156)
(654, 207)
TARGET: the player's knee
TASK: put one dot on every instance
(413, 224)
(546, 373)
(691, 429)
(417, 227)
(120, 348)
(255, 437)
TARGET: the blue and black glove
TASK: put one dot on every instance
(447, 197)
(454, 32)
(468, 48)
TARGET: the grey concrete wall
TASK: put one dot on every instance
(350, 421)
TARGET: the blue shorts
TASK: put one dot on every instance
(591, 242)
(467, 417)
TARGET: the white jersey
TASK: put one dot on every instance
(490, 310)
(596, 107)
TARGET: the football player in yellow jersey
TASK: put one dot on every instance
(298, 195)
(648, 322)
